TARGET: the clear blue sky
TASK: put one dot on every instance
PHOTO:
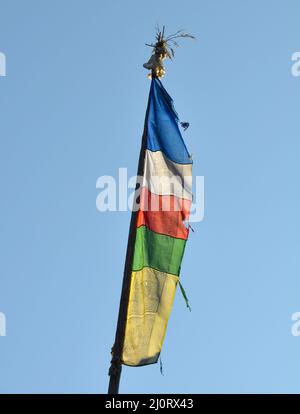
(71, 109)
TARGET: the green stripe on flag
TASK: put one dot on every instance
(161, 252)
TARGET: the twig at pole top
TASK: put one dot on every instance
(163, 48)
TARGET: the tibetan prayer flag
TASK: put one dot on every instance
(161, 230)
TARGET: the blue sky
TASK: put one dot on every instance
(72, 109)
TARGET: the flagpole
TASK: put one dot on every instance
(116, 361)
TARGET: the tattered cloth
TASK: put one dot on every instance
(161, 233)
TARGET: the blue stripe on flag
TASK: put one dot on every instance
(163, 131)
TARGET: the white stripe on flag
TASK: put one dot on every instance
(165, 177)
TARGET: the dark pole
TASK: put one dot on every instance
(116, 362)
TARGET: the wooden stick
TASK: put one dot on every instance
(117, 350)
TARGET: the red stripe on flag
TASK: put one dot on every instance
(164, 214)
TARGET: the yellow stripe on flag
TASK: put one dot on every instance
(150, 302)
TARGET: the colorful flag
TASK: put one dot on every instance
(161, 230)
